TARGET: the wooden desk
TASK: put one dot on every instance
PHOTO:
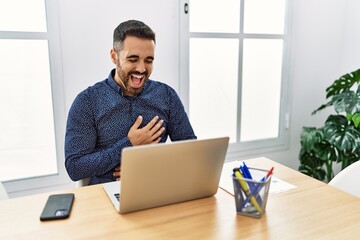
(313, 210)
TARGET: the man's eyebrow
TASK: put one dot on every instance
(136, 56)
(133, 56)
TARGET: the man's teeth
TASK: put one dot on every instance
(137, 76)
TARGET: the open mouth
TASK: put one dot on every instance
(137, 79)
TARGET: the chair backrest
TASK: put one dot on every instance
(3, 193)
(348, 179)
(83, 182)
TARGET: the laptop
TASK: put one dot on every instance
(156, 175)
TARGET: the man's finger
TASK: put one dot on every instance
(137, 123)
(151, 124)
(156, 127)
(158, 133)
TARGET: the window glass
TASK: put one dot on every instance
(264, 16)
(261, 89)
(233, 80)
(213, 86)
(22, 15)
(27, 139)
(214, 16)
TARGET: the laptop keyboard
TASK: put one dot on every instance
(117, 195)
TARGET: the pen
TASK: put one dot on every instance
(246, 189)
(246, 171)
(243, 172)
(253, 186)
(268, 174)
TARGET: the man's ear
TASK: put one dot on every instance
(113, 56)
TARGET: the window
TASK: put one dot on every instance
(233, 65)
(31, 95)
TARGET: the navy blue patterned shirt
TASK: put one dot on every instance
(101, 117)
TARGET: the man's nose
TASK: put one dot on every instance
(140, 67)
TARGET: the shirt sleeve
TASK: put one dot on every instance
(82, 158)
(179, 125)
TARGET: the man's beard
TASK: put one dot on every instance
(125, 78)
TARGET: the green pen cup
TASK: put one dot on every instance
(251, 194)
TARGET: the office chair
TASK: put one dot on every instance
(83, 182)
(3, 193)
(348, 179)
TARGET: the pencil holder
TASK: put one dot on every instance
(251, 194)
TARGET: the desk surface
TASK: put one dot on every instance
(312, 210)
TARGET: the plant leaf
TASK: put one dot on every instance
(347, 158)
(340, 85)
(339, 133)
(347, 101)
(311, 165)
(345, 82)
(356, 119)
(326, 152)
(328, 104)
(310, 136)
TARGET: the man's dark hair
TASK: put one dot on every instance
(132, 28)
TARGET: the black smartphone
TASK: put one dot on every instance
(57, 206)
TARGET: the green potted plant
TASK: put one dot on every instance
(338, 141)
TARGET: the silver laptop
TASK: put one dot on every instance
(160, 174)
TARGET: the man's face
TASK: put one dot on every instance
(134, 63)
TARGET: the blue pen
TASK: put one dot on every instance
(244, 172)
(247, 174)
(254, 188)
(246, 169)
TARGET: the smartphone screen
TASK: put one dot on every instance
(57, 206)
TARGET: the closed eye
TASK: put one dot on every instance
(132, 58)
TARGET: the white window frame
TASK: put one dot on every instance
(241, 149)
(53, 37)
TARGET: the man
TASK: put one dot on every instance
(126, 109)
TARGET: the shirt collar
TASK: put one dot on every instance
(113, 84)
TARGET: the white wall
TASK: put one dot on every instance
(351, 39)
(86, 34)
(325, 45)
